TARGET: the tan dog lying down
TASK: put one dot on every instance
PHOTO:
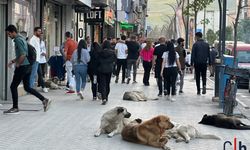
(136, 96)
(185, 133)
(113, 121)
(148, 132)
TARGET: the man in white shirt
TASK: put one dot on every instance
(121, 50)
(36, 43)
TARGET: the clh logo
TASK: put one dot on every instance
(227, 145)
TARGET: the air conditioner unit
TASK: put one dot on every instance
(139, 9)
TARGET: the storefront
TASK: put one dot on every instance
(52, 26)
(3, 75)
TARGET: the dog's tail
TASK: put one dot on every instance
(208, 136)
(243, 127)
(153, 99)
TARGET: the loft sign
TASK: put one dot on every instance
(94, 16)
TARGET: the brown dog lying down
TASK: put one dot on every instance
(148, 132)
(223, 121)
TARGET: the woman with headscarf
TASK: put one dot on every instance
(106, 59)
(92, 68)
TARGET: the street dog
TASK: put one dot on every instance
(148, 132)
(113, 121)
(223, 121)
(185, 133)
(136, 96)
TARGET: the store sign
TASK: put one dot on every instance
(94, 16)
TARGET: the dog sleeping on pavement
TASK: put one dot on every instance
(148, 132)
(223, 121)
(185, 133)
(136, 96)
(113, 121)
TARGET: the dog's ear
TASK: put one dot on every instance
(156, 120)
(120, 110)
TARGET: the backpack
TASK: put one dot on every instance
(31, 54)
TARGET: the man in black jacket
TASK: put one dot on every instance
(199, 58)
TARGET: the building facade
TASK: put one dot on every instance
(54, 16)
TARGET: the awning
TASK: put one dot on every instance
(86, 2)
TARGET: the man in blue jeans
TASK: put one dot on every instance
(22, 71)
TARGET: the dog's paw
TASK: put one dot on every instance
(97, 134)
(110, 135)
(165, 147)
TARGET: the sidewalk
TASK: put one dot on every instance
(70, 124)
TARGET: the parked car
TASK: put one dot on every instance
(243, 56)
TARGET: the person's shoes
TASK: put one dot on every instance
(94, 98)
(160, 95)
(46, 104)
(128, 80)
(99, 95)
(204, 90)
(198, 93)
(13, 111)
(173, 99)
(104, 102)
(146, 84)
(123, 82)
(168, 98)
(134, 82)
(181, 92)
(70, 92)
(45, 90)
(165, 93)
(116, 80)
(80, 95)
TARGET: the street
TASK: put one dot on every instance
(70, 124)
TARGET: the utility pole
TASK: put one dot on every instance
(187, 28)
(116, 19)
(224, 25)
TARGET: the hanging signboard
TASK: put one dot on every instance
(94, 16)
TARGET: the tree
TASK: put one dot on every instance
(211, 36)
(244, 31)
(193, 8)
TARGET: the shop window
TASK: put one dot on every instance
(24, 11)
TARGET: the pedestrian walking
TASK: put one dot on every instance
(121, 50)
(182, 54)
(69, 47)
(80, 59)
(133, 54)
(170, 68)
(42, 66)
(147, 56)
(106, 60)
(22, 71)
(158, 52)
(35, 41)
(213, 54)
(199, 58)
(92, 68)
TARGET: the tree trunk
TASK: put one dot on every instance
(236, 29)
(195, 21)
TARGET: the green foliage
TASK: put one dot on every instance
(211, 36)
(244, 31)
(196, 6)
